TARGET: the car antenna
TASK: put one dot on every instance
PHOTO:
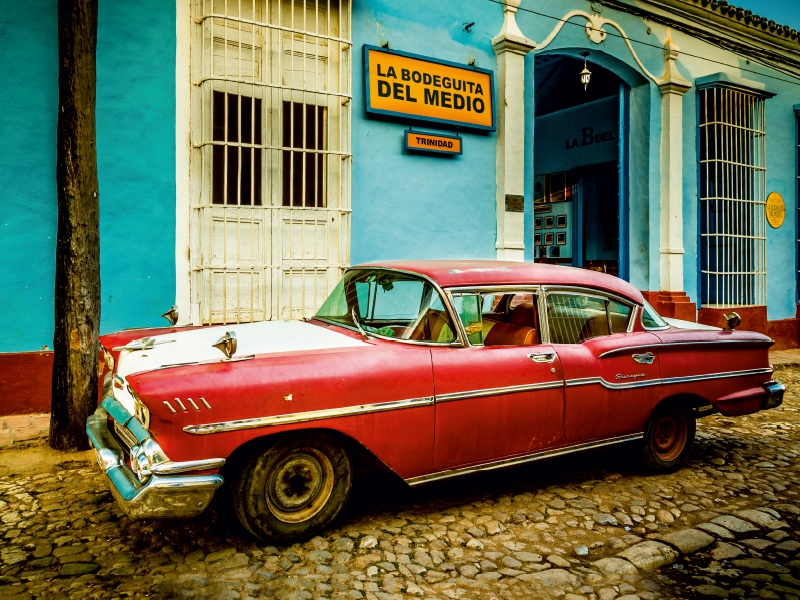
(358, 324)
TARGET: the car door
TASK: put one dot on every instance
(502, 394)
(611, 370)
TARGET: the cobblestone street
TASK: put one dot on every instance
(586, 526)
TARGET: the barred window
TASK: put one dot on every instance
(270, 133)
(732, 196)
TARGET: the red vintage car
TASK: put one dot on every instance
(431, 369)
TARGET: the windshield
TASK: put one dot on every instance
(389, 304)
(651, 319)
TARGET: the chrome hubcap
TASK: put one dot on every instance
(669, 436)
(300, 485)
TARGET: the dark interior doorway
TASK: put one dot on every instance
(580, 165)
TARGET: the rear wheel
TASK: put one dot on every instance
(294, 488)
(668, 437)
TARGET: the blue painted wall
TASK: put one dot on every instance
(136, 161)
(416, 206)
(28, 105)
(781, 155)
(404, 205)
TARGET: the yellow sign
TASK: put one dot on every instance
(399, 84)
(432, 142)
(776, 210)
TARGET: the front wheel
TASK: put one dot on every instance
(294, 488)
(668, 437)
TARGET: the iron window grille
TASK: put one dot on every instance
(270, 162)
(732, 195)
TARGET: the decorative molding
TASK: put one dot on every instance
(672, 82)
(596, 34)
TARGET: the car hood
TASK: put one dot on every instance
(265, 337)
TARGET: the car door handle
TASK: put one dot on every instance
(644, 359)
(544, 357)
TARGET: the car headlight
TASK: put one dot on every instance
(140, 411)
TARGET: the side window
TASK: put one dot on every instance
(498, 318)
(575, 318)
(619, 315)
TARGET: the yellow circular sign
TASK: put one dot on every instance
(776, 210)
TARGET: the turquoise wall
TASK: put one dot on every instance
(408, 206)
(28, 105)
(781, 156)
(136, 163)
(404, 205)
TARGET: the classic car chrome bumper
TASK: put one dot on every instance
(154, 491)
(774, 396)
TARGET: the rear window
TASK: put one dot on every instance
(575, 318)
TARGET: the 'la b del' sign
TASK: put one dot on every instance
(399, 84)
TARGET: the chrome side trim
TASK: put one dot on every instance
(665, 381)
(644, 359)
(189, 465)
(612, 386)
(518, 460)
(500, 391)
(169, 406)
(723, 375)
(312, 415)
(656, 345)
(206, 404)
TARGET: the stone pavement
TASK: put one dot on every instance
(587, 526)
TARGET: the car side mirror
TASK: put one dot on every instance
(171, 315)
(733, 320)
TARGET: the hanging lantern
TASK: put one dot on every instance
(586, 74)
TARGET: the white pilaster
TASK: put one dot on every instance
(673, 86)
(183, 24)
(510, 46)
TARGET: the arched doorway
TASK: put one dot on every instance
(580, 166)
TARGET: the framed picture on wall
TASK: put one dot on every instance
(555, 252)
(549, 222)
(537, 239)
(559, 191)
(561, 238)
(561, 221)
(539, 189)
(548, 239)
(537, 223)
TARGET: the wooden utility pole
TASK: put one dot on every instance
(77, 293)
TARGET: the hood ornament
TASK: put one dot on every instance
(227, 344)
(145, 343)
(171, 315)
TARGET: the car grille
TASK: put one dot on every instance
(124, 436)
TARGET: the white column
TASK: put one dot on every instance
(510, 46)
(673, 86)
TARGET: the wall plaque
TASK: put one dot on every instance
(776, 210)
(515, 203)
(399, 84)
(420, 141)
